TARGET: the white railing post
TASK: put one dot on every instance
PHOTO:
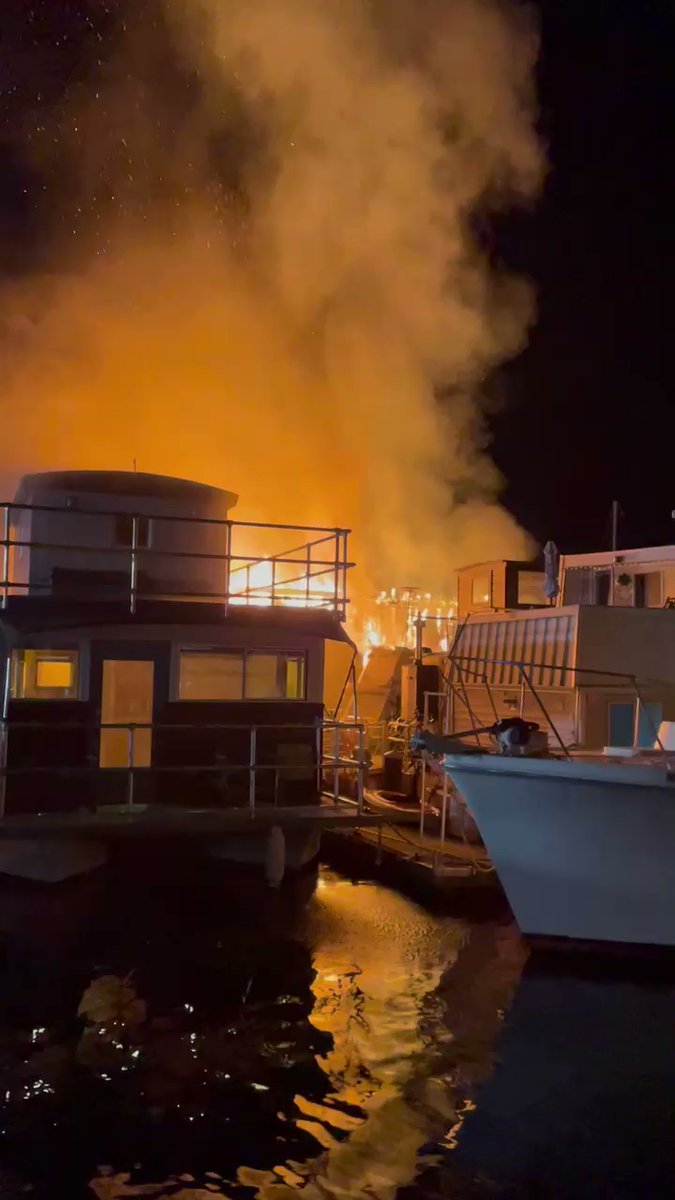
(423, 781)
(336, 770)
(337, 572)
(228, 562)
(133, 573)
(423, 787)
(345, 551)
(444, 812)
(5, 555)
(130, 766)
(361, 769)
(251, 769)
(319, 756)
(4, 730)
(636, 722)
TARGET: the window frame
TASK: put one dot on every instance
(484, 580)
(49, 653)
(531, 574)
(244, 652)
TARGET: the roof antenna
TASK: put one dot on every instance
(134, 462)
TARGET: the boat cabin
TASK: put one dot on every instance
(499, 584)
(640, 578)
(155, 651)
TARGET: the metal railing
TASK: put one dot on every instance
(382, 736)
(312, 574)
(328, 764)
(471, 671)
(475, 673)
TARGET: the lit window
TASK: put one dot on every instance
(275, 676)
(237, 675)
(480, 589)
(124, 531)
(44, 675)
(210, 676)
(531, 588)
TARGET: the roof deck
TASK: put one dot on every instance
(134, 553)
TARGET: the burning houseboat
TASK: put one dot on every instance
(163, 676)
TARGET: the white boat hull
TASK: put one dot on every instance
(583, 850)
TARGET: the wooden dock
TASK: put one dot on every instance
(450, 871)
(449, 856)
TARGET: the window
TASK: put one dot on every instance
(44, 675)
(241, 675)
(622, 723)
(124, 531)
(531, 588)
(579, 586)
(648, 589)
(481, 589)
(275, 677)
(603, 580)
(211, 676)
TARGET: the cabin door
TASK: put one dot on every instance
(127, 686)
(127, 698)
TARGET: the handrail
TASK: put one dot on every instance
(525, 680)
(155, 516)
(326, 762)
(513, 662)
(294, 590)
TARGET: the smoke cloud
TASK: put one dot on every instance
(265, 274)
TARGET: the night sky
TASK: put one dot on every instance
(586, 413)
(590, 406)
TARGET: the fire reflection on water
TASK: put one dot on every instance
(348, 1084)
(392, 1066)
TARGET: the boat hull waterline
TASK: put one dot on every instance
(584, 851)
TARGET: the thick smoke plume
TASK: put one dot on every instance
(271, 281)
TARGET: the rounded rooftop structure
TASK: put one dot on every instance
(94, 531)
(108, 488)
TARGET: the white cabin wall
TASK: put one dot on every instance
(96, 533)
(639, 642)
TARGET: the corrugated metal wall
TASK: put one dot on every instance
(543, 644)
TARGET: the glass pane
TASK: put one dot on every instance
(480, 589)
(264, 677)
(294, 674)
(653, 581)
(53, 672)
(126, 698)
(44, 675)
(651, 715)
(207, 676)
(275, 676)
(621, 724)
(531, 588)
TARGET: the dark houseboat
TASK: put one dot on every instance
(163, 672)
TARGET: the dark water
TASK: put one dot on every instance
(361, 1047)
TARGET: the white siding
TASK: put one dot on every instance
(495, 647)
